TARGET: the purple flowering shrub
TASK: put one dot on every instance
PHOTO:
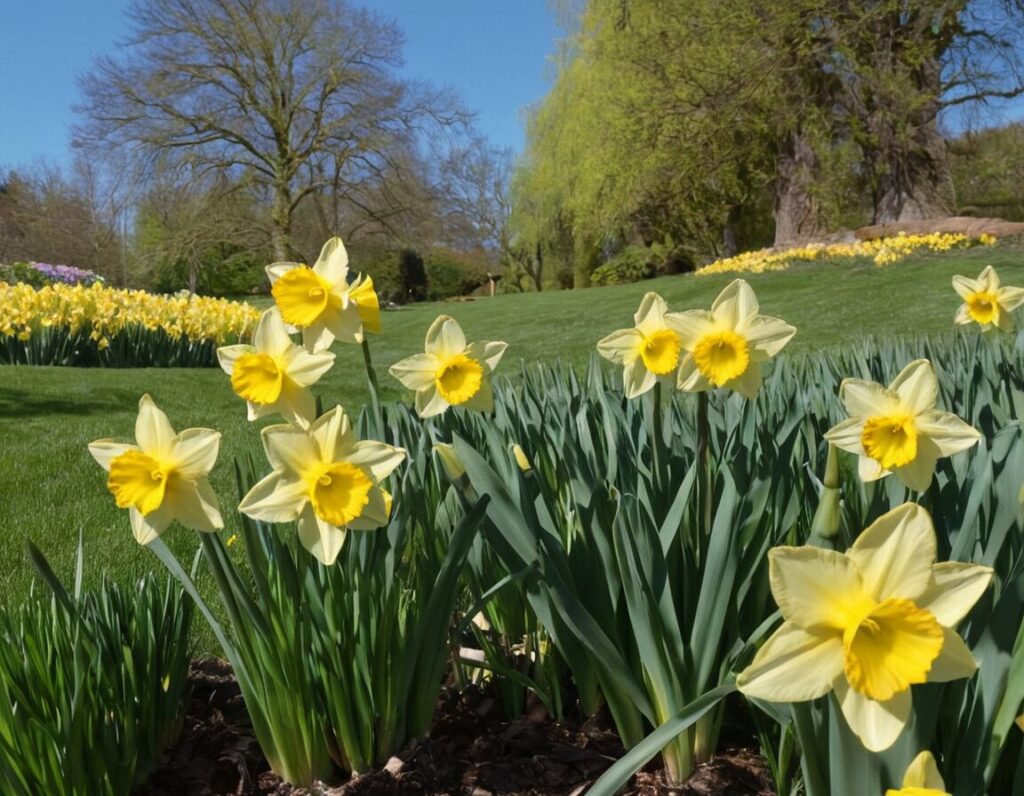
(39, 274)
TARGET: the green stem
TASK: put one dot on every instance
(704, 459)
(374, 387)
(657, 436)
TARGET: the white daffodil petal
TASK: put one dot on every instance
(445, 337)
(955, 660)
(947, 432)
(953, 590)
(866, 399)
(380, 459)
(270, 336)
(794, 665)
(489, 353)
(375, 513)
(104, 451)
(226, 355)
(416, 372)
(735, 304)
(847, 435)
(429, 402)
(988, 280)
(153, 430)
(317, 337)
(964, 286)
(896, 552)
(332, 264)
(650, 317)
(916, 386)
(690, 379)
(621, 347)
(877, 724)
(289, 448)
(305, 369)
(918, 474)
(296, 404)
(147, 528)
(963, 315)
(345, 324)
(483, 400)
(923, 773)
(747, 384)
(813, 587)
(767, 336)
(324, 541)
(276, 270)
(1010, 298)
(276, 498)
(869, 470)
(690, 326)
(194, 505)
(333, 434)
(637, 379)
(195, 452)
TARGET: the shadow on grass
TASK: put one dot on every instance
(16, 403)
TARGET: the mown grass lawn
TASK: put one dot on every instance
(50, 488)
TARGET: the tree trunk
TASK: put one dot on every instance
(913, 180)
(281, 222)
(730, 243)
(797, 209)
(584, 261)
(538, 269)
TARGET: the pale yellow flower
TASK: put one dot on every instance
(273, 374)
(522, 460)
(649, 350)
(326, 480)
(727, 346)
(922, 778)
(450, 372)
(162, 477)
(986, 303)
(867, 624)
(897, 429)
(321, 303)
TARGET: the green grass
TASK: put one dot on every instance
(50, 487)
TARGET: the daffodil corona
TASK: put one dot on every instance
(725, 347)
(326, 480)
(320, 302)
(273, 373)
(649, 350)
(450, 372)
(922, 778)
(897, 429)
(163, 476)
(867, 624)
(986, 303)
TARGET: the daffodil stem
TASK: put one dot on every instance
(657, 437)
(371, 381)
(704, 458)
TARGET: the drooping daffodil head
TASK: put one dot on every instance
(867, 624)
(647, 351)
(321, 302)
(986, 302)
(162, 476)
(726, 346)
(273, 374)
(450, 371)
(897, 429)
(921, 779)
(326, 480)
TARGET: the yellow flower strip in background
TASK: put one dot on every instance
(867, 624)
(106, 312)
(882, 251)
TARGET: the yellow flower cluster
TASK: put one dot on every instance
(106, 311)
(882, 251)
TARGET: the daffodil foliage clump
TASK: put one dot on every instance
(60, 324)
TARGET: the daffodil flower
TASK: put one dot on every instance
(163, 476)
(922, 778)
(450, 372)
(273, 373)
(649, 350)
(321, 303)
(985, 302)
(326, 480)
(897, 428)
(867, 624)
(727, 346)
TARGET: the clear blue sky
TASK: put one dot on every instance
(493, 52)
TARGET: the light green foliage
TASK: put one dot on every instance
(93, 686)
(988, 170)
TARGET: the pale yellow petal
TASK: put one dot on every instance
(923, 773)
(916, 386)
(345, 325)
(866, 398)
(813, 587)
(877, 724)
(621, 347)
(637, 379)
(794, 665)
(963, 316)
(650, 317)
(104, 451)
(690, 326)
(270, 336)
(296, 405)
(377, 457)
(847, 434)
(289, 449)
(375, 514)
(305, 368)
(947, 432)
(766, 336)
(429, 402)
(955, 661)
(445, 337)
(489, 353)
(964, 286)
(226, 355)
(953, 590)
(988, 280)
(317, 337)
(734, 305)
(1010, 298)
(918, 474)
(332, 264)
(870, 470)
(416, 372)
(276, 498)
(194, 505)
(333, 434)
(148, 527)
(195, 452)
(153, 430)
(748, 384)
(276, 270)
(690, 379)
(896, 552)
(321, 539)
(483, 400)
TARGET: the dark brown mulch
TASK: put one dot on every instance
(472, 750)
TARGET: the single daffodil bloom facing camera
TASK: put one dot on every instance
(867, 624)
(324, 479)
(320, 302)
(726, 346)
(922, 779)
(450, 372)
(897, 429)
(273, 374)
(986, 303)
(162, 477)
(647, 351)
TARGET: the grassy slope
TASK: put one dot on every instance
(50, 487)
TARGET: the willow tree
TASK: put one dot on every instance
(299, 95)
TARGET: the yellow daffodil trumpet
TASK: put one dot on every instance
(897, 429)
(450, 372)
(922, 778)
(320, 301)
(986, 303)
(162, 477)
(326, 480)
(867, 624)
(726, 346)
(273, 374)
